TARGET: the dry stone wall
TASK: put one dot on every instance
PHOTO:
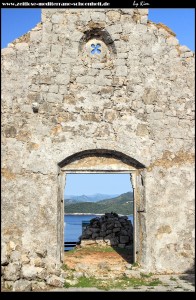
(136, 97)
(109, 229)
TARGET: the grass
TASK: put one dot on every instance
(165, 284)
(71, 251)
(146, 275)
(121, 283)
(66, 285)
(99, 249)
(65, 267)
(173, 278)
(88, 282)
(9, 287)
(155, 282)
(90, 249)
(135, 264)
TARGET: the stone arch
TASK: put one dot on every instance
(102, 153)
(100, 34)
(106, 161)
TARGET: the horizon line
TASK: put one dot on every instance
(96, 194)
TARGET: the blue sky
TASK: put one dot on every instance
(88, 184)
(181, 21)
(17, 21)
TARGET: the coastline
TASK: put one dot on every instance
(89, 214)
(82, 214)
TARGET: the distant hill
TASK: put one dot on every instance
(122, 204)
(88, 198)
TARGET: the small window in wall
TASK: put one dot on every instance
(103, 202)
(96, 48)
(97, 45)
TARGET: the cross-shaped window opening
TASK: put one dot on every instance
(95, 49)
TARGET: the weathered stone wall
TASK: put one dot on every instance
(136, 97)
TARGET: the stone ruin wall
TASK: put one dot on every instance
(137, 98)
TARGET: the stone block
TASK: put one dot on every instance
(110, 115)
(55, 281)
(12, 245)
(142, 130)
(95, 235)
(15, 256)
(121, 71)
(100, 241)
(113, 16)
(22, 285)
(97, 16)
(187, 54)
(132, 274)
(114, 241)
(81, 267)
(35, 36)
(109, 236)
(129, 266)
(38, 262)
(4, 255)
(58, 18)
(24, 259)
(144, 19)
(172, 41)
(116, 229)
(78, 274)
(107, 241)
(184, 49)
(124, 239)
(56, 50)
(8, 51)
(31, 272)
(113, 29)
(121, 246)
(124, 232)
(103, 81)
(85, 243)
(2, 270)
(71, 281)
(39, 286)
(143, 11)
(12, 271)
(22, 46)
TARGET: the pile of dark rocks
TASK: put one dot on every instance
(109, 229)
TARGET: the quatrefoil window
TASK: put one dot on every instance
(95, 49)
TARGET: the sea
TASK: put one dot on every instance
(73, 225)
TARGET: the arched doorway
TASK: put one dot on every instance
(106, 162)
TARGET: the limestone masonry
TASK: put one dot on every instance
(96, 90)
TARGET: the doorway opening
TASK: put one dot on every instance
(103, 161)
(89, 196)
(99, 208)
